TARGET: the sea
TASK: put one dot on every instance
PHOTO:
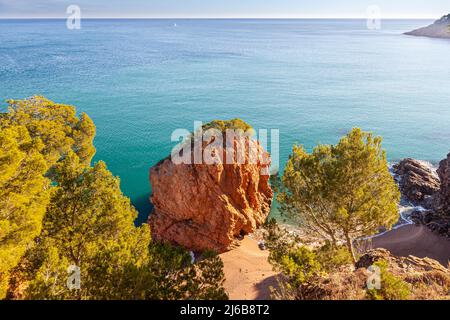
(313, 80)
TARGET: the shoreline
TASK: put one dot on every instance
(415, 240)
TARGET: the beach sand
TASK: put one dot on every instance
(248, 274)
(416, 240)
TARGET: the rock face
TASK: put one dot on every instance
(426, 278)
(418, 181)
(421, 185)
(409, 262)
(208, 206)
(436, 222)
(442, 199)
(439, 29)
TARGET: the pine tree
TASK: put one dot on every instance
(35, 134)
(89, 224)
(56, 125)
(342, 192)
(24, 195)
(58, 215)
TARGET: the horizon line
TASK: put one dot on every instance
(219, 18)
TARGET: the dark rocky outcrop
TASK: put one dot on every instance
(442, 199)
(423, 186)
(438, 223)
(395, 262)
(418, 181)
(439, 29)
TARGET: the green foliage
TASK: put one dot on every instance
(170, 275)
(79, 218)
(392, 287)
(89, 224)
(298, 264)
(279, 241)
(35, 134)
(87, 207)
(291, 257)
(24, 195)
(223, 125)
(342, 192)
(210, 279)
(56, 126)
(331, 258)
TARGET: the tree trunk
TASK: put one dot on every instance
(350, 248)
(333, 242)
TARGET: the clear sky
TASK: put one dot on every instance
(430, 9)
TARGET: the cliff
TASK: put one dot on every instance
(207, 206)
(439, 29)
(442, 201)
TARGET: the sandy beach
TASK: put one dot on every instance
(248, 274)
(416, 240)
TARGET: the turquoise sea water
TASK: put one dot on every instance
(311, 79)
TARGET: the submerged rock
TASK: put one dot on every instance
(439, 29)
(208, 206)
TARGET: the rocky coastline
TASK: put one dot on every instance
(427, 189)
(224, 207)
(439, 29)
(217, 208)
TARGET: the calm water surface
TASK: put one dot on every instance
(312, 79)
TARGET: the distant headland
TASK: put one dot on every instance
(439, 29)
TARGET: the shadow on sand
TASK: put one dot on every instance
(264, 286)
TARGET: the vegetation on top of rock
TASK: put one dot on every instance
(392, 287)
(223, 125)
(342, 192)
